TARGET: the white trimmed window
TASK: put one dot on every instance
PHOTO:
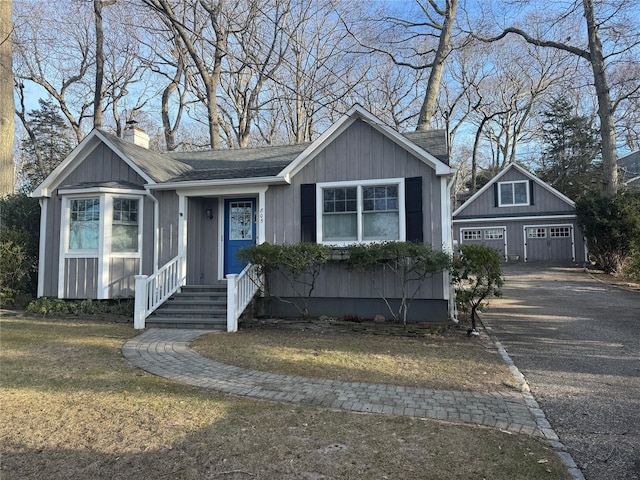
(102, 223)
(84, 225)
(472, 235)
(512, 194)
(366, 211)
(125, 227)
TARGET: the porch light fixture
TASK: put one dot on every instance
(209, 213)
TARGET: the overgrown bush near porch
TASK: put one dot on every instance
(299, 265)
(410, 263)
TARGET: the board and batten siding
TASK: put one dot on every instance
(81, 278)
(556, 249)
(121, 276)
(168, 225)
(543, 201)
(202, 247)
(359, 153)
(81, 274)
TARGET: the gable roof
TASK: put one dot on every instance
(526, 173)
(358, 112)
(248, 165)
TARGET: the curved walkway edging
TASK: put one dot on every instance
(166, 353)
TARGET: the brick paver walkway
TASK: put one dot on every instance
(166, 352)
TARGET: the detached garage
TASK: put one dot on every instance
(523, 218)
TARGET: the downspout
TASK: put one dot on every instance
(453, 310)
(156, 229)
(43, 201)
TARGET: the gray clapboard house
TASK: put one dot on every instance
(119, 220)
(523, 218)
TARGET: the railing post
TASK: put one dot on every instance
(139, 314)
(232, 299)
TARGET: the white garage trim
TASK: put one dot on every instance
(546, 226)
(516, 218)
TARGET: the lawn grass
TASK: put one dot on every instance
(72, 408)
(446, 362)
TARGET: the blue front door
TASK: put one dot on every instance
(239, 231)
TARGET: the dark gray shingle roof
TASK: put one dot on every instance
(240, 163)
(433, 141)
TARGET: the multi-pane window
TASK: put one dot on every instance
(513, 193)
(472, 235)
(340, 214)
(124, 229)
(559, 232)
(360, 213)
(536, 232)
(493, 234)
(380, 212)
(84, 224)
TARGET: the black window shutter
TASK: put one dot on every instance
(413, 209)
(308, 212)
(495, 195)
(531, 193)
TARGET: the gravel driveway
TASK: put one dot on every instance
(577, 342)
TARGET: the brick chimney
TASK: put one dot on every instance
(136, 135)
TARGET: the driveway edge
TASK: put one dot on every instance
(543, 424)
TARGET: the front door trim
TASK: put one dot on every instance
(259, 193)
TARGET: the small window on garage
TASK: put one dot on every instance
(471, 235)
(536, 232)
(559, 232)
(493, 234)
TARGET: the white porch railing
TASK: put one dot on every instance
(151, 291)
(241, 288)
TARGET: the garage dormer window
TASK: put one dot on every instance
(366, 211)
(512, 194)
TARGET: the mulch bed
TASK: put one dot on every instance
(367, 327)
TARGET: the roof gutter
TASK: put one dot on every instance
(199, 184)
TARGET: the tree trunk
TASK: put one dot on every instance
(97, 93)
(605, 107)
(433, 84)
(7, 106)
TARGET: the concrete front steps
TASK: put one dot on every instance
(196, 306)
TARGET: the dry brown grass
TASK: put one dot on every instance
(72, 408)
(450, 362)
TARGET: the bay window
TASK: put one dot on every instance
(101, 224)
(124, 229)
(84, 226)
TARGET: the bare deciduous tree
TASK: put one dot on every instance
(7, 127)
(601, 19)
(56, 56)
(407, 41)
